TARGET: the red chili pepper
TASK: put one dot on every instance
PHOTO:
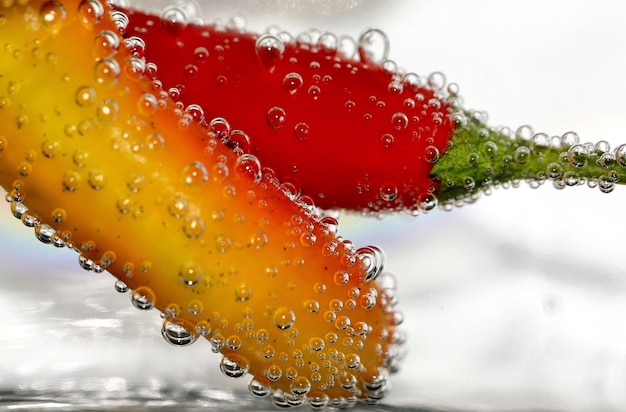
(346, 131)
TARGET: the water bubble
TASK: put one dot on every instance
(195, 175)
(71, 180)
(328, 42)
(155, 142)
(437, 81)
(249, 167)
(292, 82)
(539, 143)
(178, 332)
(269, 51)
(374, 261)
(143, 298)
(195, 307)
(147, 104)
(178, 206)
(203, 328)
(524, 132)
(577, 155)
(85, 96)
(490, 149)
(193, 227)
(284, 318)
(234, 366)
(301, 131)
(569, 139)
(59, 215)
(173, 20)
(314, 91)
(52, 14)
(554, 171)
(387, 140)
(90, 13)
(620, 155)
(106, 72)
(373, 46)
(276, 117)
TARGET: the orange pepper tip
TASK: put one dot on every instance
(97, 158)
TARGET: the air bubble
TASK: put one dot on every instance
(554, 171)
(106, 72)
(292, 82)
(234, 366)
(193, 227)
(276, 117)
(155, 142)
(178, 332)
(374, 261)
(120, 286)
(178, 206)
(52, 14)
(301, 131)
(284, 318)
(107, 111)
(143, 298)
(190, 274)
(388, 192)
(71, 180)
(569, 139)
(437, 81)
(44, 233)
(243, 293)
(96, 179)
(490, 149)
(540, 143)
(90, 13)
(195, 175)
(522, 155)
(249, 167)
(373, 46)
(269, 51)
(85, 96)
(259, 387)
(147, 104)
(577, 155)
(399, 121)
(173, 20)
(106, 43)
(300, 386)
(314, 91)
(431, 154)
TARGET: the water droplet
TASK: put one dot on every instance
(106, 72)
(178, 332)
(90, 13)
(143, 298)
(195, 175)
(243, 293)
(276, 117)
(85, 96)
(249, 167)
(284, 318)
(301, 131)
(52, 14)
(373, 46)
(193, 227)
(269, 51)
(234, 366)
(190, 274)
(373, 260)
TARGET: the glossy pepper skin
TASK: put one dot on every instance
(347, 131)
(95, 157)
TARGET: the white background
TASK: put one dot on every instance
(514, 303)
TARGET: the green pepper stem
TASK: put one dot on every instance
(480, 158)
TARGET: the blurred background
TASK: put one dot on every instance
(515, 303)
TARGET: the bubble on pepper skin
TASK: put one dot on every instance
(284, 318)
(269, 51)
(90, 13)
(195, 175)
(276, 117)
(106, 72)
(178, 332)
(143, 298)
(373, 45)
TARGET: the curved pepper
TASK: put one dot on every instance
(96, 158)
